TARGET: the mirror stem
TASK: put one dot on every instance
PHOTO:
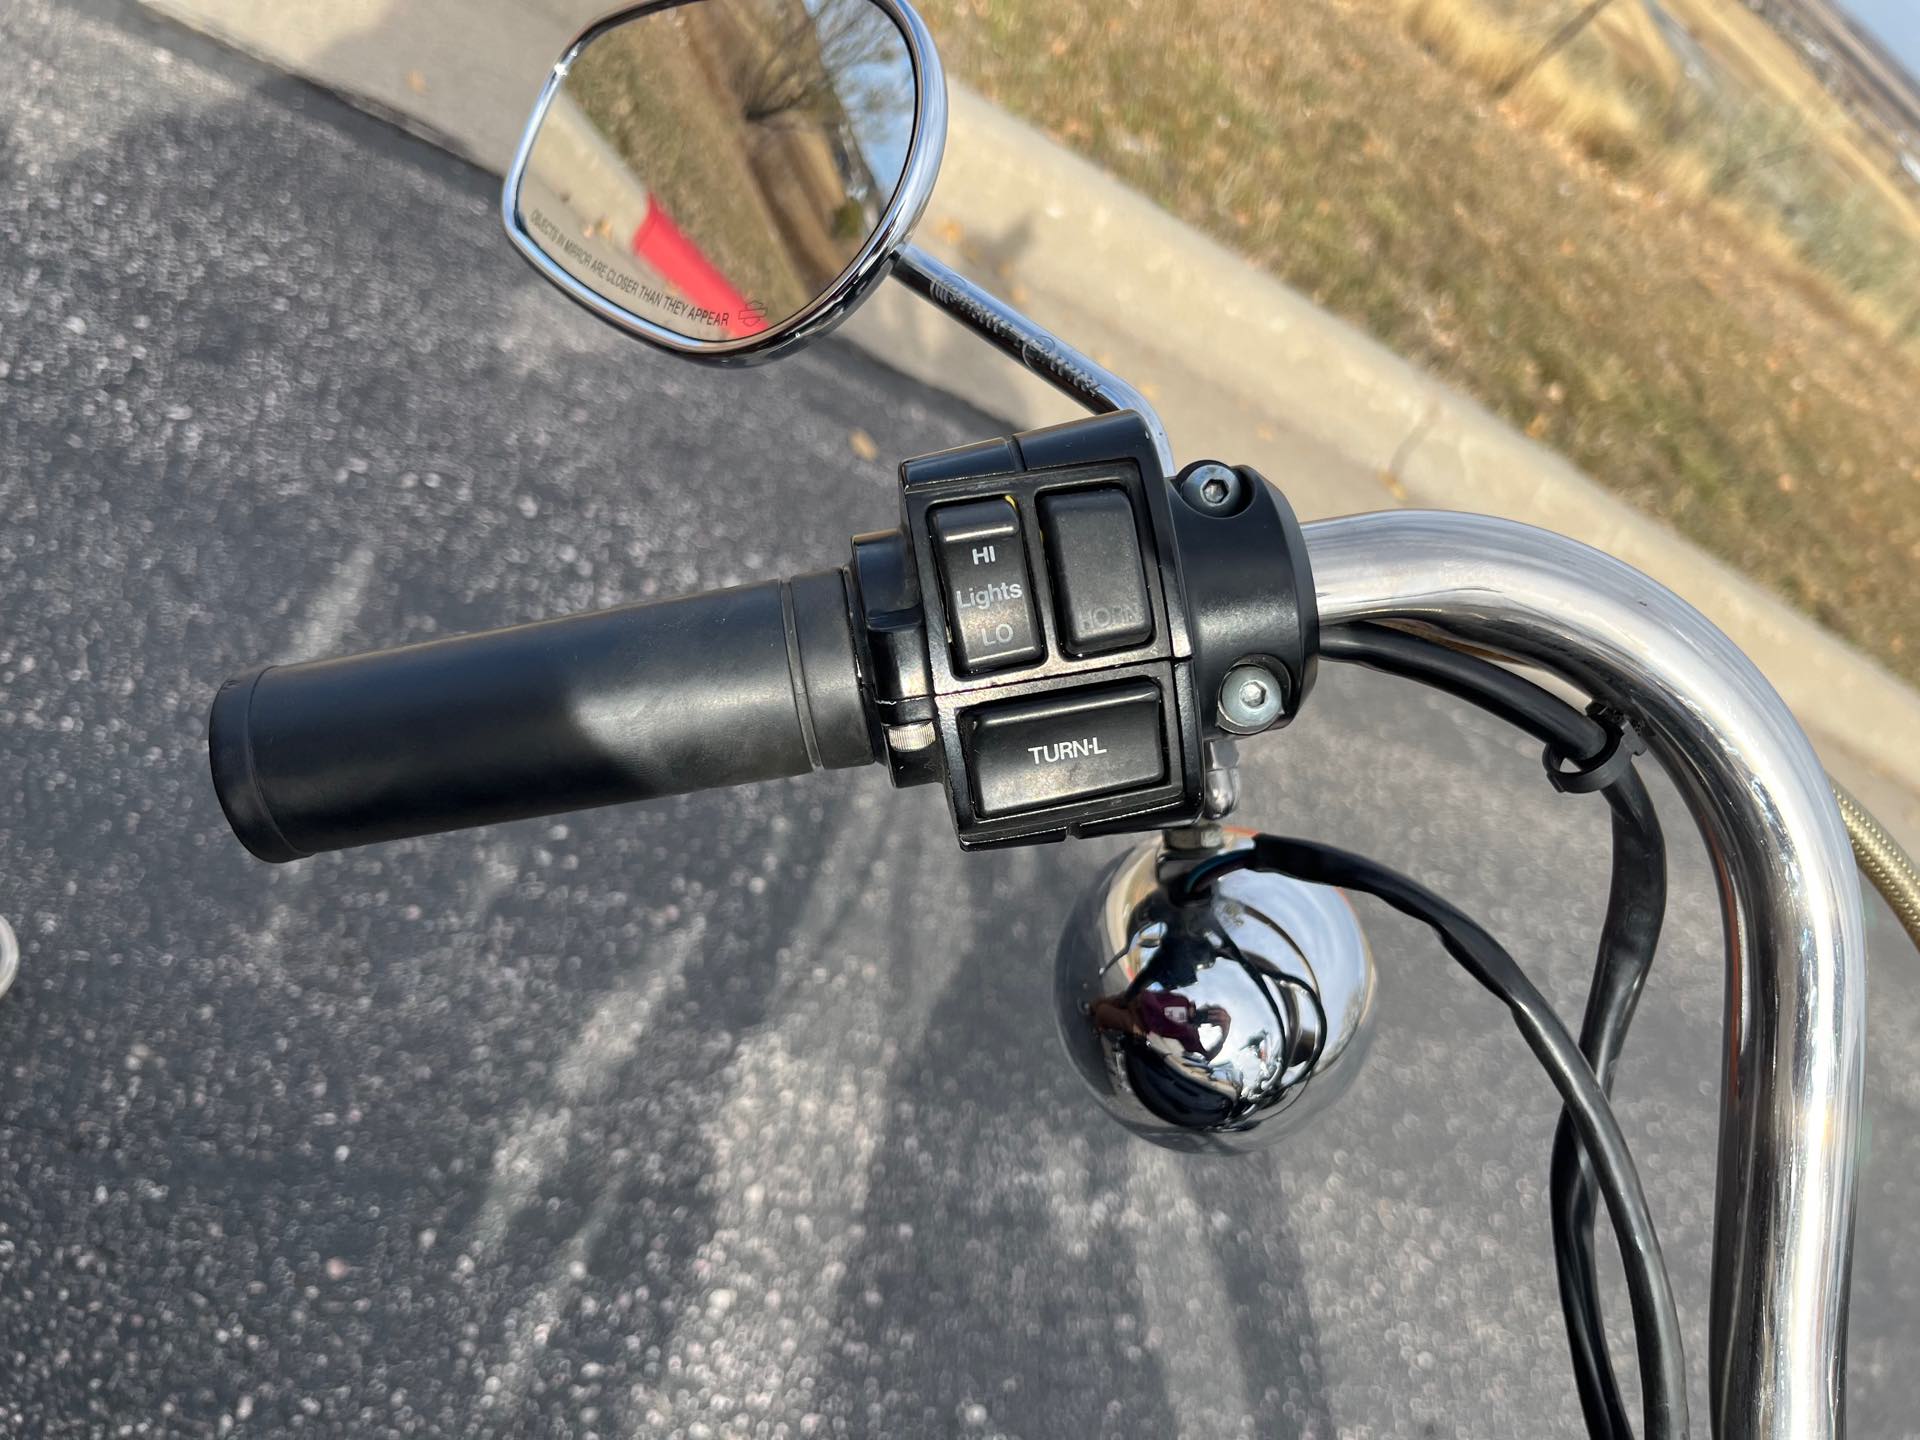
(1038, 349)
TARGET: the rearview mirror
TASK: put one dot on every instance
(727, 178)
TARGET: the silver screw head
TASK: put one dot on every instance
(1213, 488)
(1250, 698)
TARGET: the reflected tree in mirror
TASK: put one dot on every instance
(713, 167)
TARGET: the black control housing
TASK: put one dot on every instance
(1047, 632)
(1048, 635)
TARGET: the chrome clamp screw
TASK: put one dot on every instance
(1213, 488)
(1250, 699)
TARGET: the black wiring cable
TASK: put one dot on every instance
(1656, 1321)
(1636, 907)
(1501, 693)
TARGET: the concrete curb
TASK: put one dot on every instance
(1234, 360)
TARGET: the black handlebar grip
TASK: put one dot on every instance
(633, 703)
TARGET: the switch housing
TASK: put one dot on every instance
(1036, 740)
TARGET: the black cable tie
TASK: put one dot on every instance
(1607, 768)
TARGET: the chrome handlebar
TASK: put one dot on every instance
(1795, 1046)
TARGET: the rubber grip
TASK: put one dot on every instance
(634, 703)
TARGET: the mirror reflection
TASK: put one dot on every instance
(714, 167)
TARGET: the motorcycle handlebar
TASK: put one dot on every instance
(632, 703)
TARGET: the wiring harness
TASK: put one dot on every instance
(1584, 754)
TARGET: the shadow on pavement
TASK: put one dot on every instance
(478, 1132)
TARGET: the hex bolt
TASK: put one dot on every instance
(1222, 789)
(1250, 698)
(1213, 488)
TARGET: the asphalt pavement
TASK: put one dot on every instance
(733, 1115)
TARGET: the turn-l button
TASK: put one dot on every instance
(989, 597)
(1066, 746)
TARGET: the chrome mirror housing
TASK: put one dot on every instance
(727, 179)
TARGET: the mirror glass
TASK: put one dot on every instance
(713, 167)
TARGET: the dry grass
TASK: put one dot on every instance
(1634, 38)
(1599, 123)
(1633, 323)
(1474, 41)
(1776, 154)
(1482, 46)
(1766, 63)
